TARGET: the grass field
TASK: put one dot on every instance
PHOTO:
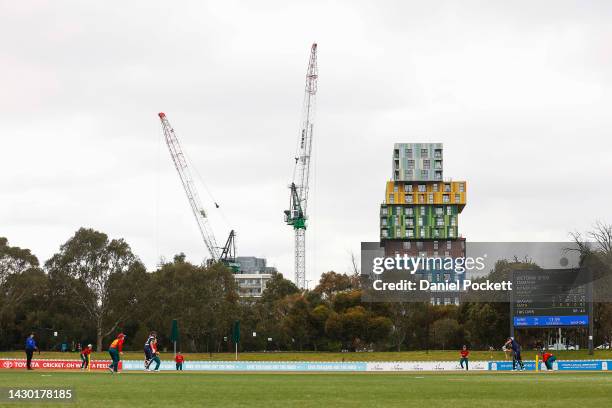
(436, 355)
(193, 389)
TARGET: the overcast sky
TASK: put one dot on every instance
(518, 92)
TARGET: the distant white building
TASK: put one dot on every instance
(253, 277)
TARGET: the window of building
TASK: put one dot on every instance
(408, 188)
(449, 210)
(409, 211)
(435, 245)
(449, 245)
(438, 164)
(384, 211)
(453, 221)
(408, 198)
(421, 198)
(410, 233)
(426, 164)
(438, 175)
(424, 153)
(461, 187)
(398, 232)
(385, 233)
(410, 222)
(430, 198)
(407, 174)
(439, 211)
(406, 245)
(419, 245)
(422, 232)
(425, 174)
(395, 188)
(408, 152)
(451, 232)
(422, 210)
(435, 254)
(384, 222)
(445, 198)
(438, 153)
(422, 188)
(410, 164)
(392, 198)
(457, 198)
(435, 187)
(447, 187)
(446, 254)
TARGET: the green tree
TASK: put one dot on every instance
(97, 273)
(444, 331)
(332, 283)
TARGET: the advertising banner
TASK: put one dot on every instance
(425, 366)
(568, 365)
(20, 363)
(130, 365)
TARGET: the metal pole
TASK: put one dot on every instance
(236, 351)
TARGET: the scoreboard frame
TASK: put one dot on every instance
(549, 317)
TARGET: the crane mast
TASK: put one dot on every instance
(296, 216)
(199, 213)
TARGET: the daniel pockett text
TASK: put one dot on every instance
(456, 267)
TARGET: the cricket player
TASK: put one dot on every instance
(147, 349)
(516, 353)
(548, 359)
(30, 347)
(85, 354)
(465, 353)
(115, 350)
(179, 359)
(154, 356)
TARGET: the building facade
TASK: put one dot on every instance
(253, 276)
(420, 213)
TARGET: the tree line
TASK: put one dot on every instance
(95, 287)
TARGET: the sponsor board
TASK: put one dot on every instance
(130, 365)
(20, 363)
(425, 366)
(566, 365)
(310, 366)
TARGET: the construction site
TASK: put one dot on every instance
(252, 273)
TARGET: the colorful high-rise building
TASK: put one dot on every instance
(420, 213)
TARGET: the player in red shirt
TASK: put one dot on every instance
(85, 354)
(179, 359)
(465, 353)
(115, 349)
(548, 359)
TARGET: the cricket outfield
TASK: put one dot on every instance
(197, 389)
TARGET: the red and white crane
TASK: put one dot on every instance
(225, 254)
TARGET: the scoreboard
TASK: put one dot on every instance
(550, 298)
